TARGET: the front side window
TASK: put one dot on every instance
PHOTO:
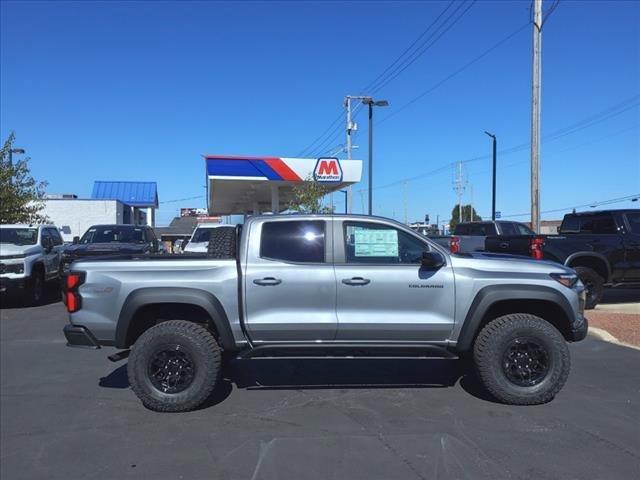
(299, 241)
(523, 229)
(55, 234)
(19, 236)
(570, 224)
(373, 243)
(508, 229)
(634, 222)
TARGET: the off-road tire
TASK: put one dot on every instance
(594, 284)
(35, 288)
(489, 352)
(222, 243)
(202, 348)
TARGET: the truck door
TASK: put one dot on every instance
(383, 293)
(632, 247)
(290, 284)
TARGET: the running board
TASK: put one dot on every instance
(347, 350)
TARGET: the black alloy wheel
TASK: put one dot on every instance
(525, 362)
(171, 369)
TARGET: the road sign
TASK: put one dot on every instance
(498, 214)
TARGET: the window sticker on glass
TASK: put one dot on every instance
(375, 242)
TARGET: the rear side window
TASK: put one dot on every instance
(598, 224)
(300, 241)
(523, 229)
(634, 222)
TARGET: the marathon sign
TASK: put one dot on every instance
(327, 170)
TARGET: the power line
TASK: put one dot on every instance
(459, 70)
(591, 205)
(427, 47)
(182, 199)
(384, 79)
(599, 117)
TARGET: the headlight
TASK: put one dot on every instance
(566, 279)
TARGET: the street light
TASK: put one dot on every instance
(493, 204)
(371, 103)
(346, 195)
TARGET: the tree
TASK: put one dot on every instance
(467, 211)
(307, 197)
(21, 196)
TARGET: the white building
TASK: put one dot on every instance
(74, 216)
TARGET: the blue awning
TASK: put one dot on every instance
(135, 194)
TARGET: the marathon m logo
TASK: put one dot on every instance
(327, 170)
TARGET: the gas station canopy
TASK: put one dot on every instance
(239, 185)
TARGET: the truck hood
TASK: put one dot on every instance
(11, 250)
(506, 263)
(91, 249)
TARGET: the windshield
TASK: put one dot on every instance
(19, 236)
(119, 234)
(201, 235)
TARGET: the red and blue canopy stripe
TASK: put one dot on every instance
(273, 168)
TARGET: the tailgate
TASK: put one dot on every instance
(511, 244)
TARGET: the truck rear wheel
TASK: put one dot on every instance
(222, 243)
(174, 366)
(593, 284)
(521, 359)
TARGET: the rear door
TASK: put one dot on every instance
(383, 293)
(290, 284)
(602, 234)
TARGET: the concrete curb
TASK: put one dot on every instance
(607, 337)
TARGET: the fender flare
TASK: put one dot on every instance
(189, 296)
(490, 295)
(599, 256)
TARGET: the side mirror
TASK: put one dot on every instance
(432, 260)
(76, 240)
(558, 229)
(48, 245)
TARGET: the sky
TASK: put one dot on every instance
(141, 90)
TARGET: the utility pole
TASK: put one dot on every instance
(347, 104)
(459, 186)
(535, 116)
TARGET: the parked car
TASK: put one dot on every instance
(603, 247)
(316, 285)
(30, 256)
(470, 236)
(199, 241)
(101, 240)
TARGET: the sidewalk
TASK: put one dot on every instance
(622, 320)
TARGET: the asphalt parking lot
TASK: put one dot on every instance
(69, 414)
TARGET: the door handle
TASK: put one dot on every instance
(268, 282)
(356, 281)
(504, 245)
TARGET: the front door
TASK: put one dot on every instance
(383, 292)
(290, 284)
(632, 247)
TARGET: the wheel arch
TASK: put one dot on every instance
(495, 301)
(592, 260)
(195, 305)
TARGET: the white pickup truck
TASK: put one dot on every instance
(29, 257)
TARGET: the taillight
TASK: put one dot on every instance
(454, 244)
(72, 297)
(535, 247)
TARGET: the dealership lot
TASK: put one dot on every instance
(68, 413)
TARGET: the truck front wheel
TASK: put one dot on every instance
(521, 359)
(593, 284)
(174, 366)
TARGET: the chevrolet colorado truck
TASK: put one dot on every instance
(326, 286)
(29, 257)
(603, 247)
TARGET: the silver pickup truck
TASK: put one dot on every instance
(323, 285)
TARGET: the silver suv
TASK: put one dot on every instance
(321, 285)
(29, 257)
